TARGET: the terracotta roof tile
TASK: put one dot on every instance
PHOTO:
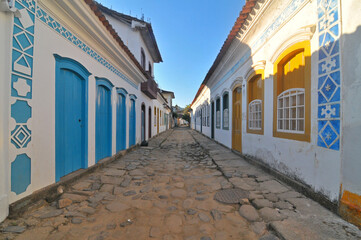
(146, 33)
(93, 6)
(243, 15)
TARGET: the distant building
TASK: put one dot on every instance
(178, 110)
(169, 96)
(77, 86)
(285, 90)
(178, 115)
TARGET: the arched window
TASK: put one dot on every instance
(142, 58)
(202, 116)
(225, 109)
(292, 93)
(218, 113)
(255, 89)
(208, 113)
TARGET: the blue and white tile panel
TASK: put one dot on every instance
(329, 76)
(21, 95)
(56, 26)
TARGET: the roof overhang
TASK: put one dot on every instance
(167, 92)
(145, 29)
(149, 39)
(240, 22)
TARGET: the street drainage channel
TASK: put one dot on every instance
(230, 196)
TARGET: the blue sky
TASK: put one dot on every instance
(189, 34)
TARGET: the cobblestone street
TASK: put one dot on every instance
(166, 191)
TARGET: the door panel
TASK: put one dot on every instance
(143, 123)
(212, 121)
(121, 123)
(70, 122)
(132, 119)
(150, 123)
(237, 120)
(103, 138)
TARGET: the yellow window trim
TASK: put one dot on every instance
(256, 131)
(304, 46)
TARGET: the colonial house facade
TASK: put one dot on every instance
(169, 96)
(284, 91)
(73, 91)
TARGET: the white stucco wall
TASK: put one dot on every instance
(133, 40)
(48, 42)
(5, 66)
(304, 161)
(351, 125)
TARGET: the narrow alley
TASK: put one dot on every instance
(173, 189)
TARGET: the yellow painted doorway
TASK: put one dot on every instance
(237, 119)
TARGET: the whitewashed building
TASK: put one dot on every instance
(74, 75)
(284, 90)
(169, 96)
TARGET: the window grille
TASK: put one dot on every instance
(255, 115)
(291, 111)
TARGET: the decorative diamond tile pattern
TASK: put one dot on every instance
(22, 72)
(329, 88)
(20, 136)
(329, 78)
(55, 25)
(21, 94)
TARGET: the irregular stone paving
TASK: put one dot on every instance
(287, 213)
(165, 191)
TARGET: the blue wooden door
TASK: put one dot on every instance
(71, 120)
(132, 130)
(121, 123)
(103, 132)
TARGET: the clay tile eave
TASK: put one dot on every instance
(246, 10)
(250, 4)
(93, 6)
(106, 23)
(102, 19)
